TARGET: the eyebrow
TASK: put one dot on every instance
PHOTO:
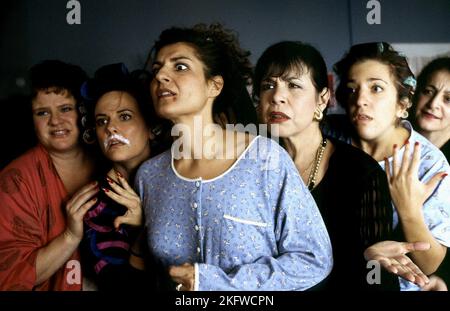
(173, 59)
(119, 111)
(370, 80)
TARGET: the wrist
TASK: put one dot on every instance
(70, 238)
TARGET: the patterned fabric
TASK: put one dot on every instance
(255, 227)
(31, 203)
(103, 245)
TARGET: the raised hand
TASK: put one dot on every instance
(125, 195)
(77, 207)
(407, 191)
(392, 257)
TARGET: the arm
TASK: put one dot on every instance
(409, 195)
(52, 256)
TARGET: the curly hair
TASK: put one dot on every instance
(218, 49)
(436, 65)
(385, 54)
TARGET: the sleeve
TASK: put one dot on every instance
(20, 233)
(304, 255)
(436, 208)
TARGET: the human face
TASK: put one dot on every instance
(373, 105)
(121, 130)
(433, 105)
(290, 102)
(55, 121)
(179, 88)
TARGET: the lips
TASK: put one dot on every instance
(278, 117)
(163, 93)
(60, 133)
(429, 115)
(114, 142)
(362, 117)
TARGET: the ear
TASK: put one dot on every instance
(151, 136)
(403, 104)
(324, 98)
(215, 86)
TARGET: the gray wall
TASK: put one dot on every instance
(117, 30)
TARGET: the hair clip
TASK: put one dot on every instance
(380, 46)
(411, 81)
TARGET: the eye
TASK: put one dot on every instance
(351, 90)
(66, 108)
(447, 99)
(155, 69)
(101, 122)
(267, 86)
(125, 117)
(427, 91)
(293, 85)
(41, 113)
(377, 89)
(181, 67)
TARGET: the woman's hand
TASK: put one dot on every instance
(125, 195)
(436, 284)
(392, 257)
(184, 275)
(407, 191)
(77, 207)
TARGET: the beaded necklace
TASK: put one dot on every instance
(319, 155)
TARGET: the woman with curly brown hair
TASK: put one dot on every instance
(228, 212)
(376, 87)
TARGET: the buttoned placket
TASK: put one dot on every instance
(197, 206)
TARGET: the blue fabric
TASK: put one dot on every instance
(255, 227)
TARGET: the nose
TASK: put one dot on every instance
(162, 75)
(111, 127)
(55, 118)
(433, 102)
(279, 95)
(360, 98)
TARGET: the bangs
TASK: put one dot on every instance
(285, 69)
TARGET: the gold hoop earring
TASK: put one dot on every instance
(318, 115)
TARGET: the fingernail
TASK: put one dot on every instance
(109, 180)
(385, 159)
(417, 143)
(395, 146)
(106, 190)
(444, 175)
(118, 174)
(406, 141)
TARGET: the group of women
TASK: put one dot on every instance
(227, 209)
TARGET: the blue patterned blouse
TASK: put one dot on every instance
(255, 227)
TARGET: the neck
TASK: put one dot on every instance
(128, 168)
(71, 158)
(438, 138)
(303, 148)
(199, 138)
(382, 146)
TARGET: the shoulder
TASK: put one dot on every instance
(354, 159)
(24, 165)
(154, 165)
(429, 152)
(269, 153)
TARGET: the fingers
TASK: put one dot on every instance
(121, 191)
(433, 182)
(387, 168)
(125, 184)
(395, 168)
(81, 197)
(414, 246)
(405, 161)
(414, 167)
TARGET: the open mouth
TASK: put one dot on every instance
(162, 93)
(60, 133)
(115, 140)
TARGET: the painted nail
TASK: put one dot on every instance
(417, 143)
(444, 175)
(106, 190)
(406, 141)
(118, 174)
(109, 180)
(395, 146)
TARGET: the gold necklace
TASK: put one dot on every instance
(318, 159)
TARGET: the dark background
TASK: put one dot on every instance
(123, 31)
